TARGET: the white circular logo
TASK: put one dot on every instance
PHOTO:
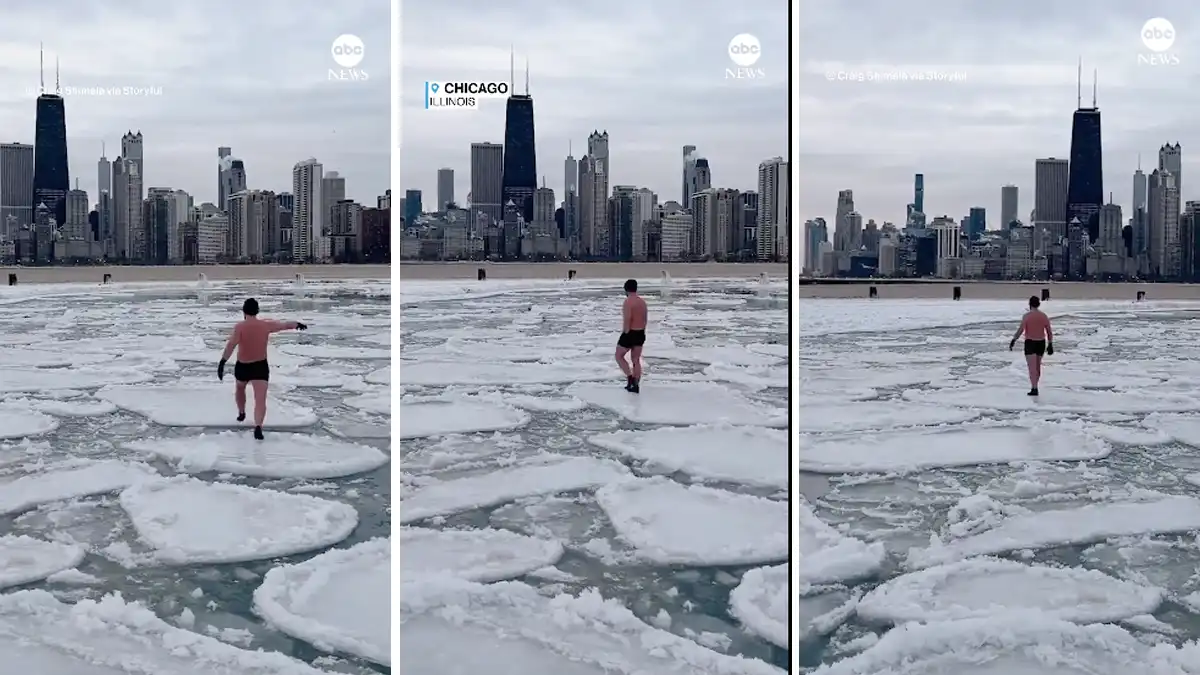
(347, 50)
(1158, 34)
(744, 50)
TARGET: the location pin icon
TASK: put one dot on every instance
(433, 87)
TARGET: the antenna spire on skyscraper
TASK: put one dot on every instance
(526, 75)
(1079, 85)
(57, 87)
(1139, 161)
(512, 69)
(41, 69)
(1093, 88)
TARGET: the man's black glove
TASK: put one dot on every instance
(1011, 344)
(300, 326)
(221, 370)
(1050, 349)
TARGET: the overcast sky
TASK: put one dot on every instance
(249, 75)
(651, 73)
(1017, 64)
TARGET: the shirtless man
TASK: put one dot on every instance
(1039, 341)
(633, 336)
(250, 337)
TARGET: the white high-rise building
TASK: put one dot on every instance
(689, 173)
(593, 208)
(644, 204)
(676, 235)
(1009, 205)
(235, 180)
(16, 187)
(703, 207)
(445, 188)
(180, 206)
(224, 156)
(76, 227)
(212, 236)
(253, 215)
(308, 222)
(1049, 200)
(1139, 189)
(543, 211)
(774, 207)
(1170, 158)
(1162, 211)
(487, 184)
(129, 236)
(1111, 223)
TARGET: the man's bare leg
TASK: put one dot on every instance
(239, 397)
(1031, 363)
(621, 352)
(260, 406)
(1039, 372)
(635, 355)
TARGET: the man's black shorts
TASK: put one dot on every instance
(634, 338)
(250, 372)
(1035, 347)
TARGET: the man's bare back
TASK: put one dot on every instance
(252, 335)
(635, 309)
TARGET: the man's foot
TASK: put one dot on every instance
(634, 386)
(241, 417)
(258, 433)
(1033, 392)
(630, 383)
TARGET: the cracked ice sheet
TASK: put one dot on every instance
(24, 560)
(680, 403)
(1013, 399)
(1080, 525)
(338, 600)
(748, 455)
(23, 421)
(439, 418)
(878, 415)
(827, 556)
(984, 587)
(70, 479)
(1024, 644)
(39, 634)
(439, 374)
(279, 455)
(563, 635)
(956, 446)
(760, 602)
(671, 524)
(508, 484)
(201, 405)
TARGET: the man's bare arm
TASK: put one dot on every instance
(626, 316)
(1020, 329)
(1049, 331)
(230, 345)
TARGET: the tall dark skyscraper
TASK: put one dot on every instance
(51, 179)
(520, 156)
(1085, 178)
(919, 193)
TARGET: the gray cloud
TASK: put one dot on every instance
(652, 74)
(1010, 103)
(250, 75)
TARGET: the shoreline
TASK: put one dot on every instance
(149, 273)
(468, 270)
(996, 290)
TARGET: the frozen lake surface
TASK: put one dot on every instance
(144, 530)
(952, 524)
(556, 524)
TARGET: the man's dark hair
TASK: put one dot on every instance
(631, 286)
(1034, 302)
(250, 307)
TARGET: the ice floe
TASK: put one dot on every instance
(956, 446)
(437, 418)
(1028, 644)
(334, 352)
(562, 635)
(1055, 400)
(381, 376)
(673, 524)
(24, 560)
(1057, 527)
(760, 602)
(18, 421)
(985, 587)
(827, 556)
(877, 415)
(30, 380)
(188, 521)
(86, 407)
(439, 374)
(281, 455)
(196, 405)
(338, 601)
(679, 403)
(43, 636)
(748, 455)
(68, 480)
(474, 555)
(506, 484)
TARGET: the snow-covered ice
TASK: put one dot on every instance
(281, 455)
(682, 403)
(69, 480)
(18, 421)
(1056, 400)
(959, 446)
(193, 405)
(24, 559)
(985, 587)
(504, 485)
(514, 630)
(760, 602)
(339, 601)
(672, 524)
(473, 555)
(437, 418)
(877, 415)
(827, 556)
(749, 455)
(188, 521)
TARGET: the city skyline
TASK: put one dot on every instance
(969, 137)
(264, 93)
(651, 91)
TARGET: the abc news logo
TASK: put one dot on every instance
(745, 51)
(348, 51)
(1158, 35)
(462, 95)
